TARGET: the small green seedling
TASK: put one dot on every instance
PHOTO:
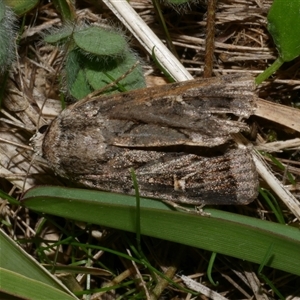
(21, 7)
(7, 37)
(95, 57)
(284, 26)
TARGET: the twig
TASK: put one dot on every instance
(135, 24)
(210, 38)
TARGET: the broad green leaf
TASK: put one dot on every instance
(284, 26)
(226, 233)
(59, 36)
(98, 41)
(94, 58)
(21, 7)
(76, 83)
(100, 73)
(20, 273)
(80, 87)
(7, 36)
(26, 288)
(83, 75)
(2, 11)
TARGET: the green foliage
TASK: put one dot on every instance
(7, 37)
(108, 42)
(21, 7)
(59, 36)
(66, 9)
(113, 68)
(95, 57)
(221, 232)
(23, 278)
(284, 26)
(76, 82)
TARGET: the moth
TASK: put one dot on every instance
(177, 138)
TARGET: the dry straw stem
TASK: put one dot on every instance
(147, 38)
(280, 114)
(278, 146)
(274, 112)
(201, 288)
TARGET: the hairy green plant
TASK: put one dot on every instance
(95, 57)
(7, 37)
(284, 26)
(21, 7)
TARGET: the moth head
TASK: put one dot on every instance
(36, 142)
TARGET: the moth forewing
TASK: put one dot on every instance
(168, 134)
(229, 178)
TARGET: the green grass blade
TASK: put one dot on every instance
(21, 7)
(12, 283)
(17, 264)
(226, 233)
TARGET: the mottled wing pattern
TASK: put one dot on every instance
(229, 178)
(186, 113)
(167, 134)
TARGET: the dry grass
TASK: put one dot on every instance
(242, 45)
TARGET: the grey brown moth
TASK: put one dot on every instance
(177, 137)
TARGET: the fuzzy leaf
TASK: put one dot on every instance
(76, 82)
(98, 41)
(7, 36)
(101, 73)
(59, 36)
(21, 7)
(284, 26)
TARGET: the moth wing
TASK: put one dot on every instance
(215, 132)
(186, 113)
(165, 122)
(225, 179)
